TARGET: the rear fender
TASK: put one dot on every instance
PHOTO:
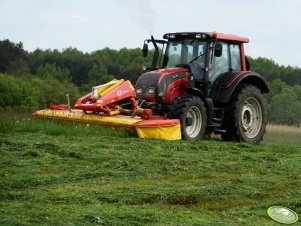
(226, 84)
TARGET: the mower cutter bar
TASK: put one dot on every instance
(80, 116)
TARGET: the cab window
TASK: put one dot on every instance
(229, 60)
(182, 52)
(220, 64)
(235, 57)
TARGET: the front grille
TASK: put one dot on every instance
(146, 81)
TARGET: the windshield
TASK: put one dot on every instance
(184, 51)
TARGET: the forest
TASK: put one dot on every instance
(32, 80)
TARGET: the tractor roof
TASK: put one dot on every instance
(205, 35)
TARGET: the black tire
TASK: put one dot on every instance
(246, 117)
(191, 112)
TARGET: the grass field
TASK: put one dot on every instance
(66, 174)
(282, 134)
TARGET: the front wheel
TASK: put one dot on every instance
(192, 114)
(246, 117)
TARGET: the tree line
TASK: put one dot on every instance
(33, 80)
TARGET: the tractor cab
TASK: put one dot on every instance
(205, 55)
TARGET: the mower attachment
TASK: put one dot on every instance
(101, 107)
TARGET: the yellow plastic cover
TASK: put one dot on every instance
(166, 133)
(101, 90)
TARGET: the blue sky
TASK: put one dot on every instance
(273, 26)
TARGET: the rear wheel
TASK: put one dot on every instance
(192, 114)
(246, 116)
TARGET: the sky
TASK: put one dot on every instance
(273, 26)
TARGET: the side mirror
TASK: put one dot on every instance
(218, 49)
(145, 50)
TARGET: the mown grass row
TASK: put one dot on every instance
(98, 178)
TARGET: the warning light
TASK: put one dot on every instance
(214, 34)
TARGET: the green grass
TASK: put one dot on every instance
(26, 123)
(68, 174)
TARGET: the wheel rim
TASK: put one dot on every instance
(251, 117)
(195, 114)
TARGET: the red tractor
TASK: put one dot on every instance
(203, 79)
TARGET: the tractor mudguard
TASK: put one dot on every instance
(223, 88)
(207, 101)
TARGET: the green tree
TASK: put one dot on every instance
(297, 90)
(78, 64)
(96, 76)
(271, 70)
(17, 93)
(53, 71)
(12, 55)
(32, 93)
(284, 104)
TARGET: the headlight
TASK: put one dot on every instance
(138, 91)
(151, 90)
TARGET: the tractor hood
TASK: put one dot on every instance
(156, 83)
(168, 71)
